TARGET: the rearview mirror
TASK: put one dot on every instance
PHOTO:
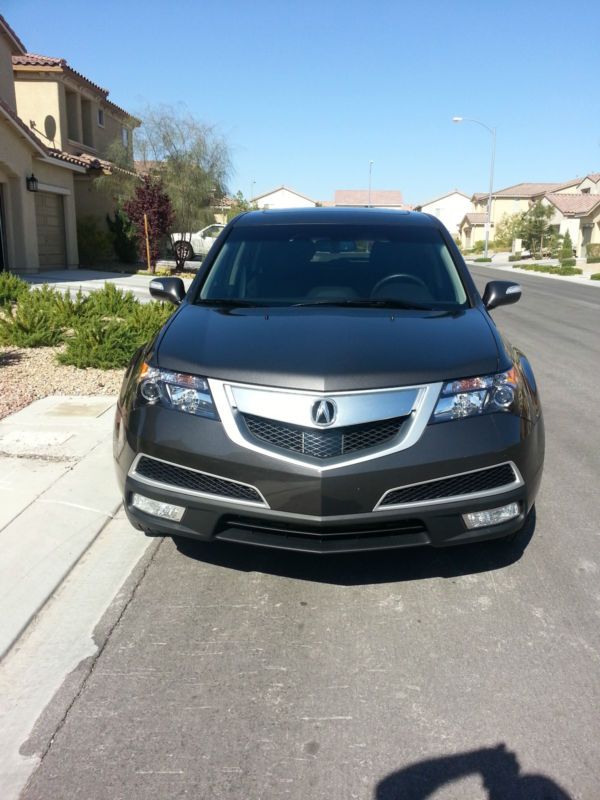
(501, 293)
(171, 290)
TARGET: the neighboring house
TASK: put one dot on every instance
(575, 203)
(450, 209)
(283, 197)
(37, 228)
(471, 229)
(577, 210)
(377, 198)
(75, 119)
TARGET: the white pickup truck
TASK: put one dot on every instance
(188, 245)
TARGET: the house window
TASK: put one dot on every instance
(101, 117)
(125, 136)
(586, 190)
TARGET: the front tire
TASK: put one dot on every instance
(183, 251)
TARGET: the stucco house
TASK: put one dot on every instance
(576, 206)
(75, 118)
(577, 210)
(449, 208)
(37, 228)
(283, 197)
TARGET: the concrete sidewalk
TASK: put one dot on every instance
(57, 492)
(89, 280)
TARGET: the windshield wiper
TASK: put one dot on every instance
(227, 302)
(384, 302)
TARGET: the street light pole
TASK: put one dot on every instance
(370, 171)
(491, 131)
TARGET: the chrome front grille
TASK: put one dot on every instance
(478, 483)
(163, 473)
(283, 424)
(322, 444)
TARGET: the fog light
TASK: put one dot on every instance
(493, 516)
(157, 508)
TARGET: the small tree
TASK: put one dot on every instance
(150, 199)
(125, 240)
(536, 230)
(239, 205)
(566, 251)
(508, 229)
(191, 158)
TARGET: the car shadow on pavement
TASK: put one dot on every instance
(351, 569)
(498, 767)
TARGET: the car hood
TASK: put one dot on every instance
(329, 349)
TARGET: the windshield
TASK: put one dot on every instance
(406, 266)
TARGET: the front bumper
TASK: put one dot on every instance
(333, 511)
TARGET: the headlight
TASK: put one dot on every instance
(177, 390)
(470, 397)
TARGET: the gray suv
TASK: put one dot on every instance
(332, 381)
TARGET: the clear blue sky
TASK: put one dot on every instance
(308, 92)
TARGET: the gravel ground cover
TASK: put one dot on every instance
(32, 373)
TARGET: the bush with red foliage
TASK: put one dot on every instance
(151, 199)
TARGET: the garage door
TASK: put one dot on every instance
(50, 220)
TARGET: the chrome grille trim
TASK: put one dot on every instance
(424, 398)
(518, 481)
(193, 492)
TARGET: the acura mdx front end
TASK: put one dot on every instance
(332, 381)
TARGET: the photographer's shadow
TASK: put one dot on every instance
(498, 767)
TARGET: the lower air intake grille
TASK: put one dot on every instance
(322, 443)
(191, 481)
(470, 483)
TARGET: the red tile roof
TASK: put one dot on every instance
(360, 197)
(526, 190)
(475, 218)
(34, 60)
(16, 42)
(575, 205)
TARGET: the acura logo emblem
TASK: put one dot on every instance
(324, 412)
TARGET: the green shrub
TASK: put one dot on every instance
(482, 259)
(595, 276)
(515, 257)
(108, 342)
(108, 302)
(567, 262)
(593, 250)
(479, 247)
(12, 288)
(593, 260)
(125, 241)
(562, 270)
(39, 319)
(101, 330)
(95, 245)
(103, 343)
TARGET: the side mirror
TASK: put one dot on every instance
(171, 290)
(501, 293)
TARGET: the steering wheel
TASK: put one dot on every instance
(399, 275)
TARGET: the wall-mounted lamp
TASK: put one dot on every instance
(32, 183)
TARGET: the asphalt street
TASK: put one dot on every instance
(462, 674)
